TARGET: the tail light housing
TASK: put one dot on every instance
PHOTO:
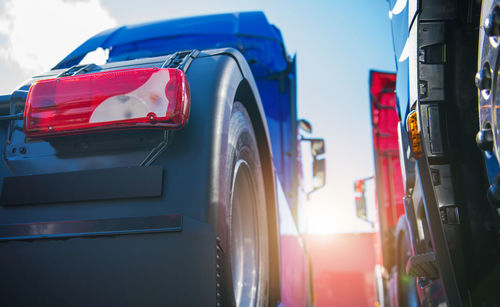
(120, 99)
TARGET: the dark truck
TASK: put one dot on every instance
(449, 151)
(167, 176)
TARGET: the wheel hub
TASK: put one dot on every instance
(487, 78)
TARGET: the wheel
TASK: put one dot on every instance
(245, 259)
(487, 78)
(407, 286)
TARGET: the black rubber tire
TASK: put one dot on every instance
(245, 209)
(407, 285)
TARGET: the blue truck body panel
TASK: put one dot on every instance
(197, 30)
(260, 43)
(400, 33)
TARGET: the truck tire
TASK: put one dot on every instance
(245, 260)
(406, 284)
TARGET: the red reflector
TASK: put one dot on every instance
(120, 99)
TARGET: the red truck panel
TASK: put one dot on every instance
(388, 178)
(343, 269)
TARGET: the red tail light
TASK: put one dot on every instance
(129, 98)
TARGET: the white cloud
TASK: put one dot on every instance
(36, 35)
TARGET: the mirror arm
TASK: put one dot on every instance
(366, 219)
(312, 191)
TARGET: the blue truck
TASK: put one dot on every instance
(445, 249)
(169, 175)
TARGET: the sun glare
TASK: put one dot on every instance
(327, 217)
(36, 41)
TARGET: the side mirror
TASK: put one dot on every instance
(305, 125)
(319, 164)
(361, 208)
(360, 200)
(319, 173)
(317, 146)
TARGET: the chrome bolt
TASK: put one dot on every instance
(483, 79)
(484, 140)
(492, 23)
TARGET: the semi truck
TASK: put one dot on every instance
(168, 175)
(446, 80)
(389, 225)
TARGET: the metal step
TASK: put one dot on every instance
(423, 265)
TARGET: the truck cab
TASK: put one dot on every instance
(447, 165)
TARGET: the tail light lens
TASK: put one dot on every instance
(120, 99)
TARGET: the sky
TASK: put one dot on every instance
(336, 42)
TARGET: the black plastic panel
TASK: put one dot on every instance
(432, 56)
(432, 130)
(102, 184)
(438, 10)
(143, 269)
(436, 140)
(102, 227)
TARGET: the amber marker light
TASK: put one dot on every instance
(414, 134)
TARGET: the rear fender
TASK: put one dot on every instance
(189, 186)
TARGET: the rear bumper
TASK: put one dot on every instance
(128, 269)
